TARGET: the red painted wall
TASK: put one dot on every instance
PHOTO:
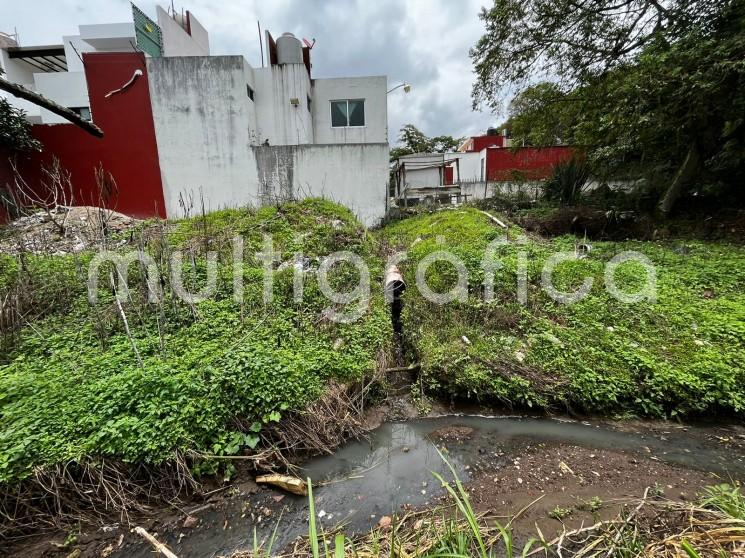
(532, 163)
(128, 149)
(477, 143)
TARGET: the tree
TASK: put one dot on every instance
(573, 39)
(412, 140)
(541, 115)
(666, 103)
(15, 130)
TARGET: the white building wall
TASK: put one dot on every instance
(280, 120)
(266, 125)
(469, 166)
(207, 145)
(199, 34)
(68, 89)
(16, 70)
(202, 117)
(253, 122)
(354, 175)
(422, 169)
(109, 37)
(74, 49)
(372, 89)
(176, 41)
(19, 72)
(290, 95)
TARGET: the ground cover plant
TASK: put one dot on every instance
(681, 355)
(150, 384)
(163, 391)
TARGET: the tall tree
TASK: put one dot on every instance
(649, 87)
(575, 38)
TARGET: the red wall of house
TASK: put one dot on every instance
(480, 142)
(528, 162)
(128, 149)
(477, 143)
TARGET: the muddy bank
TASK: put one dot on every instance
(506, 462)
(583, 483)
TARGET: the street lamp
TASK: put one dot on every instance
(406, 86)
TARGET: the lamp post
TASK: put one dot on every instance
(406, 86)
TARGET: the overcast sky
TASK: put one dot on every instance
(422, 42)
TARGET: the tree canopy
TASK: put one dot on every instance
(412, 140)
(648, 88)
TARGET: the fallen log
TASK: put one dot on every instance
(39, 100)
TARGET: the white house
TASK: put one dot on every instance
(226, 131)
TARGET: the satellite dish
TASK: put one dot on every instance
(308, 43)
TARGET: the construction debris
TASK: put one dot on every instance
(495, 220)
(84, 228)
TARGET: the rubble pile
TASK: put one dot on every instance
(66, 230)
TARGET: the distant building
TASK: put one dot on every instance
(492, 138)
(481, 166)
(181, 125)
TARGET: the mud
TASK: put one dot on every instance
(507, 464)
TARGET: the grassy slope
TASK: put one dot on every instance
(684, 354)
(71, 386)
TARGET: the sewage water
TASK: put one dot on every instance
(366, 479)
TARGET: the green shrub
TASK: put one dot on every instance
(567, 183)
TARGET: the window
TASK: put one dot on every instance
(309, 104)
(82, 112)
(348, 113)
(249, 92)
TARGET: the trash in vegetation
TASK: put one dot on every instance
(293, 485)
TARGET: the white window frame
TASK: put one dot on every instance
(331, 112)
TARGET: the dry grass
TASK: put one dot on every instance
(657, 528)
(646, 528)
(415, 533)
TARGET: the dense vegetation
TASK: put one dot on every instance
(649, 89)
(683, 354)
(206, 377)
(15, 130)
(212, 373)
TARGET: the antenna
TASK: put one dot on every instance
(261, 43)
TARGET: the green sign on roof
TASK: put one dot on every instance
(147, 33)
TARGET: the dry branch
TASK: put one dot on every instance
(159, 547)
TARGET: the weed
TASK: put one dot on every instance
(559, 513)
(567, 183)
(213, 377)
(593, 505)
(725, 498)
